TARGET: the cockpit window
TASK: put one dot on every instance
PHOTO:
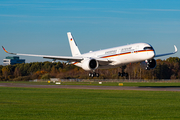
(148, 48)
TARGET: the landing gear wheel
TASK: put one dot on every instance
(97, 74)
(93, 74)
(90, 74)
(126, 74)
(123, 74)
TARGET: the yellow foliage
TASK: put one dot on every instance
(41, 72)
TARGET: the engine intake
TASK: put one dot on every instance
(148, 64)
(90, 64)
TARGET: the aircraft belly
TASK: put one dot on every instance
(126, 59)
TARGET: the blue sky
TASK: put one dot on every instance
(41, 26)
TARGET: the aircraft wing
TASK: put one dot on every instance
(102, 61)
(65, 58)
(168, 53)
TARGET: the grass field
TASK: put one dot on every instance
(124, 84)
(158, 84)
(69, 104)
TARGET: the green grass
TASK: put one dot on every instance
(69, 104)
(124, 84)
(158, 84)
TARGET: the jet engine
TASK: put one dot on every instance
(90, 64)
(148, 64)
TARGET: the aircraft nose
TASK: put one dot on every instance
(151, 54)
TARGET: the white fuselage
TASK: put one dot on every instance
(122, 55)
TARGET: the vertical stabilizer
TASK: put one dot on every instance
(74, 49)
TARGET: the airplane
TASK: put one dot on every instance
(107, 58)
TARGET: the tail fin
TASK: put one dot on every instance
(74, 49)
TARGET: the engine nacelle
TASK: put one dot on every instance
(90, 64)
(148, 64)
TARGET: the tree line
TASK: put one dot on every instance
(165, 69)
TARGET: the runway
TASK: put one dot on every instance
(165, 88)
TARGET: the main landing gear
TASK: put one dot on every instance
(123, 74)
(93, 74)
(120, 74)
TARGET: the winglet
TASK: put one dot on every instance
(175, 49)
(5, 49)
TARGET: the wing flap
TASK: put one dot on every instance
(64, 58)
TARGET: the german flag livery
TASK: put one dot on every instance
(7, 51)
(116, 55)
(109, 56)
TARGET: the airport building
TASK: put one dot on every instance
(11, 60)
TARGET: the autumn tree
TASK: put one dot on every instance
(5, 72)
(17, 72)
